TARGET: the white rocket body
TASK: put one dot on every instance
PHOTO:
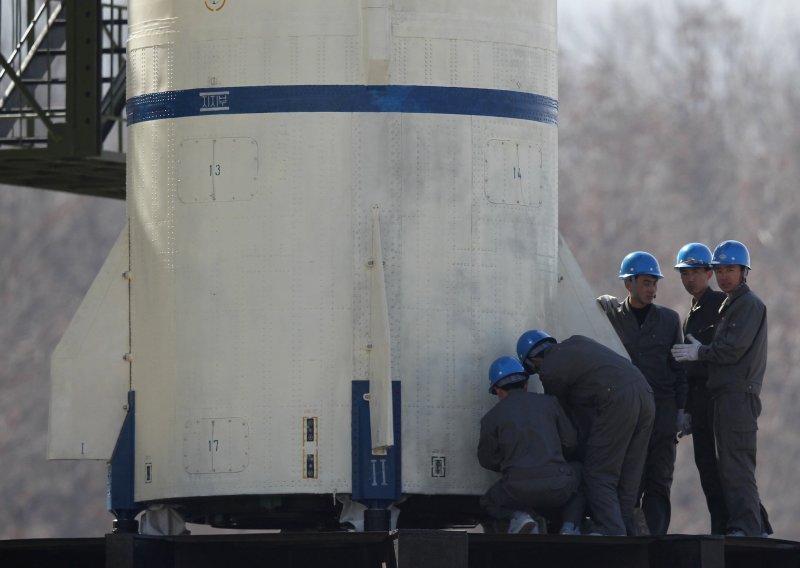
(322, 192)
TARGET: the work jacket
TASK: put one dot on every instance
(526, 434)
(649, 346)
(737, 356)
(701, 323)
(582, 372)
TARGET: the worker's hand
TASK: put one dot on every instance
(686, 351)
(684, 422)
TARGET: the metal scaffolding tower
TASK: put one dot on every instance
(62, 95)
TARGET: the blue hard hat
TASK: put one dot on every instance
(505, 370)
(694, 255)
(533, 342)
(638, 263)
(731, 252)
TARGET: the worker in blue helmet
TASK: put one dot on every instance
(524, 437)
(648, 331)
(617, 410)
(694, 264)
(736, 358)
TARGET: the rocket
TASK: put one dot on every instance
(339, 213)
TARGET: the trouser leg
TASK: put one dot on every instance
(559, 493)
(575, 507)
(735, 426)
(601, 475)
(701, 407)
(659, 467)
(498, 503)
(582, 418)
(634, 460)
(766, 526)
(607, 449)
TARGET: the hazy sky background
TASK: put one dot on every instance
(755, 9)
(577, 18)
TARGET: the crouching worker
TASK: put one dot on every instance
(522, 437)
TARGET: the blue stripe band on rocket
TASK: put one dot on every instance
(343, 98)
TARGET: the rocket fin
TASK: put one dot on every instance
(89, 377)
(380, 356)
(577, 311)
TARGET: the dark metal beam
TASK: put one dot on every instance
(415, 549)
(81, 132)
(29, 97)
(102, 176)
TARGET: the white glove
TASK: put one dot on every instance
(686, 351)
(684, 423)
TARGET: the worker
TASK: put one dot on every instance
(694, 264)
(648, 331)
(617, 403)
(524, 437)
(736, 358)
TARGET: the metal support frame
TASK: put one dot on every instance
(62, 98)
(80, 136)
(40, 113)
(26, 38)
(402, 549)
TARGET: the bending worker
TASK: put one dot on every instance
(648, 331)
(737, 358)
(522, 437)
(617, 403)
